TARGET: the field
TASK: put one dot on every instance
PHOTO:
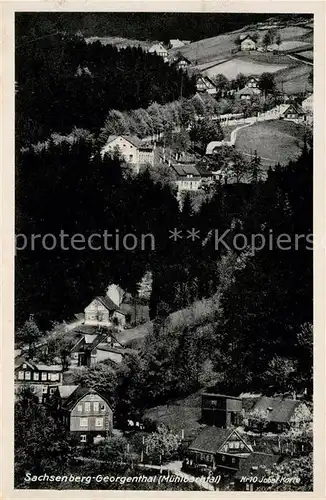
(220, 47)
(294, 80)
(177, 415)
(306, 54)
(277, 141)
(233, 67)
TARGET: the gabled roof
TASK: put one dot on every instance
(107, 303)
(211, 439)
(77, 395)
(133, 139)
(294, 108)
(247, 37)
(39, 366)
(66, 390)
(247, 91)
(256, 464)
(181, 58)
(184, 170)
(281, 409)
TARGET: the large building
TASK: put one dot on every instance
(37, 376)
(134, 151)
(159, 50)
(220, 410)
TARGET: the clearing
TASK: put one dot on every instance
(278, 140)
(233, 67)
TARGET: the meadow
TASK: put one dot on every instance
(277, 141)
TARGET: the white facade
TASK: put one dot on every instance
(248, 44)
(131, 150)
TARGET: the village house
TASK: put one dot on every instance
(279, 413)
(187, 177)
(102, 311)
(219, 449)
(96, 348)
(308, 104)
(84, 412)
(176, 43)
(37, 376)
(247, 43)
(293, 112)
(253, 83)
(181, 63)
(159, 50)
(205, 84)
(134, 151)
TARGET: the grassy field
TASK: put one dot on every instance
(220, 47)
(278, 141)
(181, 414)
(294, 80)
(233, 67)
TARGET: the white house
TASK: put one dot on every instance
(159, 50)
(102, 311)
(205, 84)
(308, 104)
(131, 148)
(176, 43)
(187, 177)
(247, 43)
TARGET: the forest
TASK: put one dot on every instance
(138, 25)
(62, 82)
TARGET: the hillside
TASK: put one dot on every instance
(220, 47)
(276, 141)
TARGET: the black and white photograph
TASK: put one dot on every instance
(164, 310)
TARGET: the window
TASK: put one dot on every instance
(223, 458)
(131, 157)
(233, 460)
(83, 422)
(80, 408)
(83, 438)
(21, 375)
(231, 445)
(24, 365)
(102, 407)
(36, 376)
(52, 390)
(27, 375)
(87, 407)
(237, 445)
(99, 422)
(96, 406)
(44, 390)
(44, 376)
(54, 376)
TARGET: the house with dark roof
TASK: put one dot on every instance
(181, 63)
(205, 84)
(95, 348)
(257, 465)
(83, 411)
(278, 412)
(102, 311)
(132, 149)
(293, 112)
(187, 176)
(218, 448)
(248, 93)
